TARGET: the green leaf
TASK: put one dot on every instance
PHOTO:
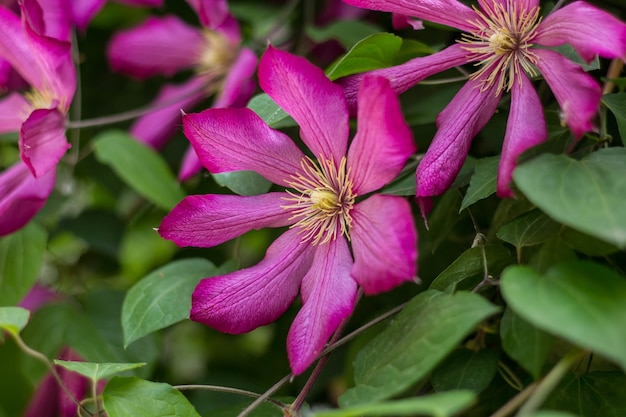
(594, 394)
(470, 265)
(346, 32)
(96, 371)
(588, 195)
(268, 110)
(530, 229)
(580, 301)
(126, 397)
(139, 166)
(162, 298)
(466, 369)
(444, 217)
(483, 182)
(525, 343)
(571, 53)
(426, 331)
(374, 52)
(243, 182)
(552, 251)
(551, 413)
(13, 319)
(21, 257)
(617, 104)
(445, 404)
(586, 244)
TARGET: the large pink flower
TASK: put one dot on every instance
(38, 115)
(166, 45)
(509, 42)
(322, 205)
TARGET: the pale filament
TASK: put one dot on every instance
(321, 201)
(501, 44)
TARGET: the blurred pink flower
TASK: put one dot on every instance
(322, 205)
(509, 42)
(38, 115)
(166, 45)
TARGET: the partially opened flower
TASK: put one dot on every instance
(166, 45)
(509, 42)
(38, 115)
(338, 237)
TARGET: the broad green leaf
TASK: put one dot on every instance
(426, 331)
(470, 265)
(13, 319)
(588, 195)
(586, 244)
(526, 344)
(580, 301)
(139, 166)
(445, 404)
(96, 371)
(552, 251)
(21, 257)
(552, 413)
(617, 104)
(126, 397)
(412, 49)
(571, 53)
(346, 32)
(466, 369)
(483, 182)
(243, 182)
(404, 183)
(268, 110)
(374, 52)
(593, 394)
(444, 217)
(162, 298)
(530, 229)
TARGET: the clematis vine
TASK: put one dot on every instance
(510, 43)
(339, 235)
(38, 115)
(166, 45)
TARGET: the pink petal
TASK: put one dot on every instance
(577, 92)
(49, 18)
(161, 45)
(520, 134)
(384, 243)
(156, 128)
(190, 166)
(238, 86)
(588, 29)
(445, 12)
(404, 76)
(42, 140)
(37, 297)
(212, 13)
(14, 109)
(151, 3)
(328, 297)
(44, 62)
(383, 141)
(520, 7)
(22, 196)
(208, 220)
(46, 398)
(75, 383)
(84, 10)
(399, 21)
(458, 123)
(5, 74)
(244, 300)
(316, 104)
(238, 140)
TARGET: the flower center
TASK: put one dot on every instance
(218, 55)
(501, 43)
(321, 201)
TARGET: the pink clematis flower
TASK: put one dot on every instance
(509, 41)
(39, 116)
(166, 45)
(322, 205)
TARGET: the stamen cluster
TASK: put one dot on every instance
(501, 44)
(322, 200)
